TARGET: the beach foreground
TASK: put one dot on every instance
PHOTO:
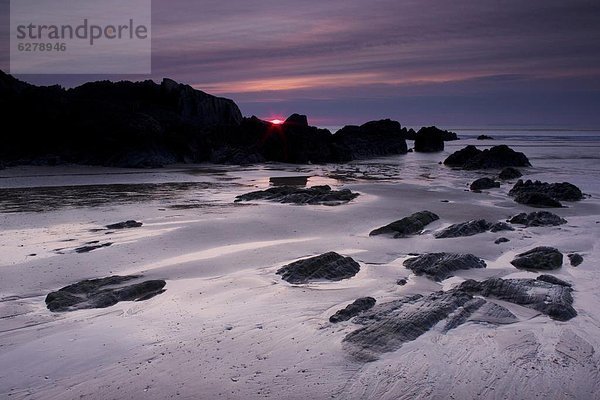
(228, 326)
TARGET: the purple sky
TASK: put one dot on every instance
(458, 63)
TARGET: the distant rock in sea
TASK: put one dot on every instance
(472, 158)
(373, 139)
(484, 183)
(352, 310)
(407, 226)
(329, 266)
(323, 195)
(439, 266)
(539, 258)
(484, 137)
(431, 139)
(509, 173)
(102, 292)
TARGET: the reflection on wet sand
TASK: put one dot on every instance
(39, 199)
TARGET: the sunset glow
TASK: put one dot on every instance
(276, 121)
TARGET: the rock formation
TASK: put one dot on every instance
(102, 292)
(538, 218)
(289, 194)
(497, 157)
(484, 183)
(471, 228)
(352, 310)
(411, 225)
(539, 258)
(509, 173)
(439, 266)
(329, 266)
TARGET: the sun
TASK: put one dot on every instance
(276, 121)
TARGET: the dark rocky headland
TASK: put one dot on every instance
(145, 124)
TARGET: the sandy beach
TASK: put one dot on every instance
(229, 327)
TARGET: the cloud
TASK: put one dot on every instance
(265, 53)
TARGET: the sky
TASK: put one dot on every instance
(459, 63)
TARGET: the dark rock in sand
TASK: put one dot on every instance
(548, 298)
(479, 310)
(91, 247)
(544, 258)
(431, 139)
(125, 225)
(575, 259)
(439, 266)
(352, 310)
(484, 137)
(501, 227)
(471, 228)
(401, 282)
(289, 194)
(501, 240)
(538, 200)
(510, 173)
(389, 325)
(407, 226)
(497, 157)
(101, 293)
(484, 183)
(373, 139)
(558, 191)
(538, 218)
(329, 266)
(554, 280)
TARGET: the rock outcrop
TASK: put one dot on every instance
(554, 300)
(558, 191)
(439, 266)
(373, 139)
(103, 292)
(323, 195)
(484, 137)
(329, 266)
(388, 325)
(91, 246)
(538, 218)
(471, 228)
(407, 226)
(352, 310)
(509, 173)
(484, 183)
(125, 225)
(431, 139)
(126, 124)
(472, 158)
(538, 200)
(145, 124)
(575, 259)
(539, 258)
